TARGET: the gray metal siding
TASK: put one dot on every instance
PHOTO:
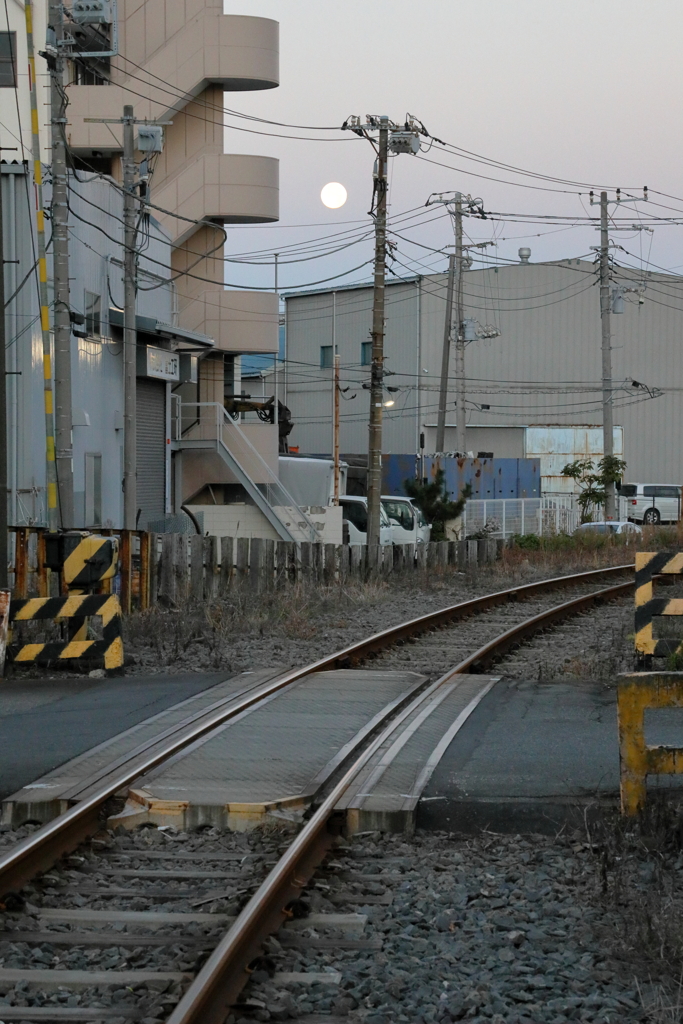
(544, 368)
(151, 444)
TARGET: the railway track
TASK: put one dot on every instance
(153, 926)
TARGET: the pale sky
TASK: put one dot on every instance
(576, 89)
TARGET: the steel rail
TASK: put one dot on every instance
(39, 851)
(214, 991)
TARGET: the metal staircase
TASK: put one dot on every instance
(202, 426)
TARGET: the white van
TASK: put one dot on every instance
(408, 524)
(355, 514)
(652, 503)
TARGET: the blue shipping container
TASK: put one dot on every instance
(489, 478)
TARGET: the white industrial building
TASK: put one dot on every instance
(543, 370)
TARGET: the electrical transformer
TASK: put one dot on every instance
(92, 12)
(150, 138)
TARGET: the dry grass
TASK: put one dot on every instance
(298, 610)
(640, 867)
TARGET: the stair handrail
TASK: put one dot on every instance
(275, 491)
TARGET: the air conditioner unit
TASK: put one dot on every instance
(92, 12)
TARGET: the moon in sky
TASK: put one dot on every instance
(333, 195)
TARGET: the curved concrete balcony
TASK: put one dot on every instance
(180, 57)
(225, 187)
(237, 321)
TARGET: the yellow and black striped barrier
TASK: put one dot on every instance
(635, 694)
(84, 559)
(648, 565)
(105, 653)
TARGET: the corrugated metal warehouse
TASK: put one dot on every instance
(543, 369)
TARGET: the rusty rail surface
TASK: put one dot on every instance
(225, 973)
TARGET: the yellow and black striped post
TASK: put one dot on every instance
(85, 561)
(105, 653)
(648, 565)
(51, 468)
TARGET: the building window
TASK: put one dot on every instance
(93, 321)
(93, 489)
(326, 357)
(8, 61)
(366, 353)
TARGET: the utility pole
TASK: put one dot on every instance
(335, 439)
(60, 263)
(4, 553)
(51, 501)
(129, 326)
(398, 139)
(445, 357)
(606, 341)
(605, 309)
(377, 334)
(460, 414)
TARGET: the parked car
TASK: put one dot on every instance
(355, 516)
(408, 524)
(611, 526)
(652, 503)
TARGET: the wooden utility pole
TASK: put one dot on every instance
(445, 357)
(460, 413)
(605, 308)
(60, 264)
(377, 368)
(335, 439)
(129, 326)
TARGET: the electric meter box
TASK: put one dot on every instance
(92, 12)
(150, 138)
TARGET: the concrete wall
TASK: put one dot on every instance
(236, 520)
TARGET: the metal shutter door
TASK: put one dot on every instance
(151, 449)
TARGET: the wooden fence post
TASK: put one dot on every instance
(316, 562)
(41, 569)
(472, 552)
(197, 568)
(344, 561)
(169, 557)
(227, 564)
(210, 546)
(124, 554)
(306, 559)
(285, 554)
(154, 568)
(182, 568)
(330, 568)
(242, 559)
(269, 564)
(256, 564)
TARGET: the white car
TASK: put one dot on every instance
(355, 516)
(652, 503)
(611, 526)
(408, 524)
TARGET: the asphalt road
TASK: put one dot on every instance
(45, 722)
